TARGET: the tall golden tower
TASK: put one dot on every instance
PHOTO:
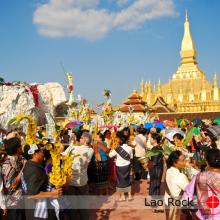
(188, 90)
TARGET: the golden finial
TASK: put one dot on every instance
(150, 87)
(159, 82)
(216, 89)
(154, 88)
(142, 88)
(134, 91)
(215, 80)
(146, 87)
(159, 88)
(170, 85)
(186, 15)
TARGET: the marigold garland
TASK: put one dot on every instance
(61, 172)
(32, 128)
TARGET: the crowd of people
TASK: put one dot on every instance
(106, 161)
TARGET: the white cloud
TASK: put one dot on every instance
(122, 2)
(85, 19)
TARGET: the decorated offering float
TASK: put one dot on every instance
(30, 99)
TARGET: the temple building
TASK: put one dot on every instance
(134, 103)
(188, 90)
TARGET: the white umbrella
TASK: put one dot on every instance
(170, 132)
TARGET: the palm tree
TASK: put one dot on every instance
(107, 93)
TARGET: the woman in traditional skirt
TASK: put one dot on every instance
(111, 164)
(155, 166)
(100, 164)
(124, 155)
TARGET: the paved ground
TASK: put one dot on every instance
(134, 210)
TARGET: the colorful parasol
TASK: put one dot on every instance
(72, 124)
(159, 125)
(197, 121)
(170, 132)
(217, 121)
(148, 125)
(214, 131)
(109, 126)
(196, 131)
(169, 123)
(183, 123)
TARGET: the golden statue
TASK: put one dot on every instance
(70, 87)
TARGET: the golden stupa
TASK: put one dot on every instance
(188, 90)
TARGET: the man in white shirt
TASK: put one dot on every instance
(139, 144)
(176, 181)
(78, 185)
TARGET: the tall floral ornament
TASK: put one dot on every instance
(73, 112)
(130, 117)
(107, 109)
(84, 113)
(70, 87)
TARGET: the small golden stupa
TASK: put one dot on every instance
(188, 90)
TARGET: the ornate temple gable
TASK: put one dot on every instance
(160, 101)
(135, 101)
(160, 106)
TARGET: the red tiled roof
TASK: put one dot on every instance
(135, 101)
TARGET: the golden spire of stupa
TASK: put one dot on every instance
(215, 80)
(216, 89)
(146, 88)
(142, 88)
(170, 86)
(159, 88)
(150, 87)
(154, 88)
(188, 51)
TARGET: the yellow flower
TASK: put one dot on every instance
(49, 146)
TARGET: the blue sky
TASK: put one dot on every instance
(109, 44)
